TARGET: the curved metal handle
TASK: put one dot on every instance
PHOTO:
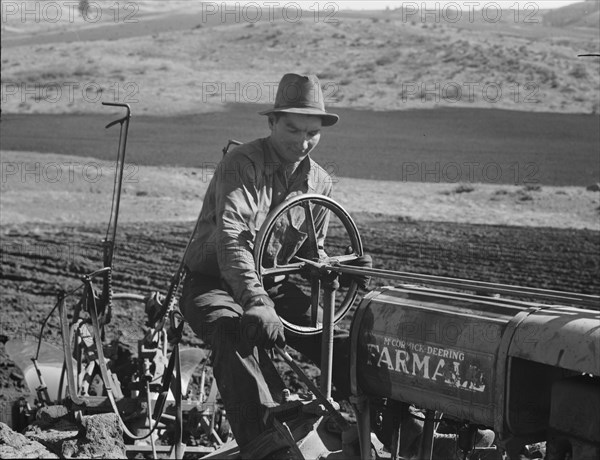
(120, 120)
(112, 225)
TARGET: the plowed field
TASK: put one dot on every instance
(38, 260)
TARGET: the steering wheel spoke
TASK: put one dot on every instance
(343, 259)
(311, 232)
(319, 215)
(287, 269)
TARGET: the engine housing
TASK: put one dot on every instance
(502, 363)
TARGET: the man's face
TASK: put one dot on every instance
(295, 135)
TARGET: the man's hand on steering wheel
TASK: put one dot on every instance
(260, 324)
(364, 261)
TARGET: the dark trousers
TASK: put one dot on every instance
(246, 377)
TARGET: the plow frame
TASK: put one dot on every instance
(165, 327)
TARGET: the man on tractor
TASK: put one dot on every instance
(224, 301)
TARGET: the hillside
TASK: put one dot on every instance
(582, 14)
(173, 63)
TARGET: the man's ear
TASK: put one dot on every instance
(271, 120)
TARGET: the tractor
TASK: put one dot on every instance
(435, 361)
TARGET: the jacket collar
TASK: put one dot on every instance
(273, 163)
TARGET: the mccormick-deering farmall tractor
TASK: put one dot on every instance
(434, 361)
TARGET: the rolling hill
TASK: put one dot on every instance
(180, 59)
(582, 14)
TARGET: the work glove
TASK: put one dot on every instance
(260, 324)
(364, 261)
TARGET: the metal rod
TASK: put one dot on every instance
(363, 419)
(104, 372)
(43, 388)
(66, 338)
(118, 183)
(61, 382)
(327, 338)
(479, 286)
(339, 420)
(149, 402)
(61, 297)
(426, 446)
(111, 231)
(311, 232)
(203, 384)
(395, 446)
(315, 298)
(140, 448)
(179, 446)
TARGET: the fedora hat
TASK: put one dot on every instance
(301, 94)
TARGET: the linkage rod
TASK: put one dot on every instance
(339, 419)
(111, 231)
(583, 300)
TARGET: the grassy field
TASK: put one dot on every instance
(177, 59)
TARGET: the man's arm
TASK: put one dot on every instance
(236, 209)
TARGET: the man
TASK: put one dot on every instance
(223, 299)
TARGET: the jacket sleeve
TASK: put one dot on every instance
(236, 208)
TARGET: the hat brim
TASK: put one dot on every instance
(329, 119)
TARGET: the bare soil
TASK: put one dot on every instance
(40, 259)
(51, 188)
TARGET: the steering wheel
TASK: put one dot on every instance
(310, 216)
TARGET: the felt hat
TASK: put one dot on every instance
(301, 94)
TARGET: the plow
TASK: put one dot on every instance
(485, 369)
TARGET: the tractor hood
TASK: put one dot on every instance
(564, 337)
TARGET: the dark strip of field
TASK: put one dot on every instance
(441, 145)
(38, 258)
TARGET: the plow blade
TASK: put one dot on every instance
(50, 364)
(189, 359)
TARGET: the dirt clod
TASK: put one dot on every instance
(102, 438)
(593, 188)
(16, 445)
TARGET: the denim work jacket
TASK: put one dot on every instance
(247, 184)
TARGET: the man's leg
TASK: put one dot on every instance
(246, 378)
(294, 306)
